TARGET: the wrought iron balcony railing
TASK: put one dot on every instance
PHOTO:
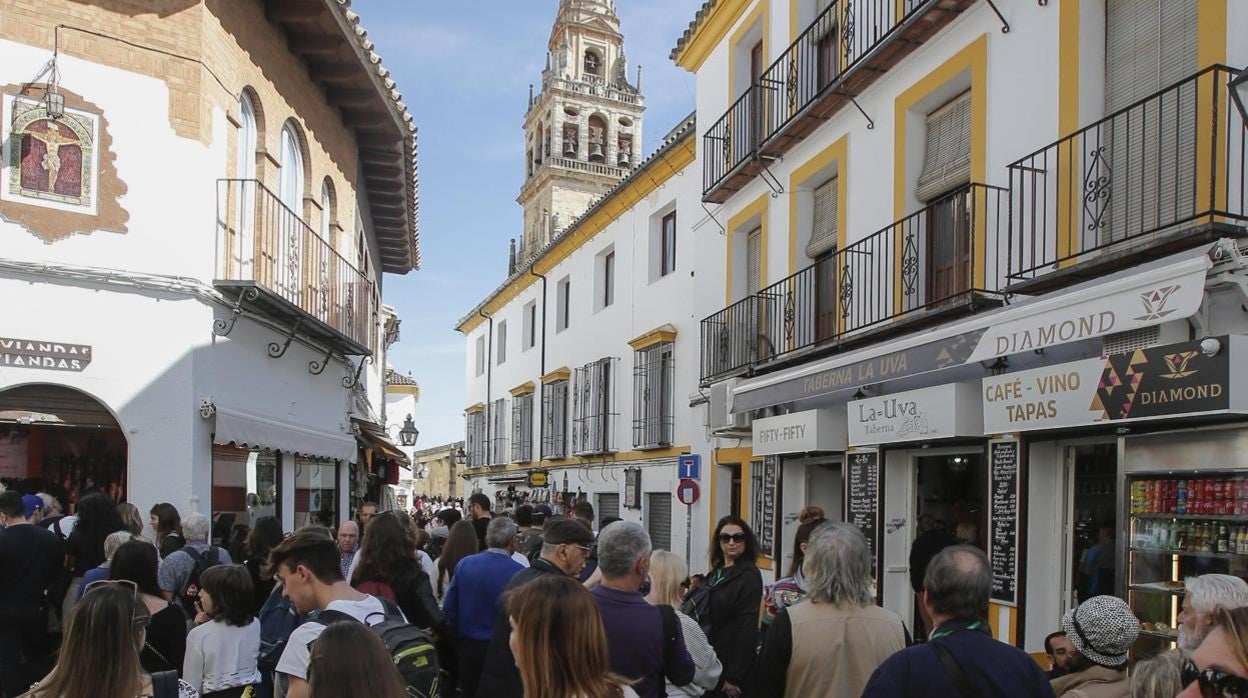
(262, 242)
(1163, 173)
(845, 49)
(941, 259)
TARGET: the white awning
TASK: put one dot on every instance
(253, 431)
(1167, 289)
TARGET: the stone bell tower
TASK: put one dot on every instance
(583, 129)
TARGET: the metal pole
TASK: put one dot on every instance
(689, 537)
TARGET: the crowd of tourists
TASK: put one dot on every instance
(472, 602)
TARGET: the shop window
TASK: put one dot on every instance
(950, 499)
(316, 492)
(245, 485)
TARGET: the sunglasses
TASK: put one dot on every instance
(1214, 683)
(732, 538)
(141, 616)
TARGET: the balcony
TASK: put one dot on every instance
(274, 264)
(1160, 175)
(841, 53)
(937, 262)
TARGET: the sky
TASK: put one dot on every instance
(464, 69)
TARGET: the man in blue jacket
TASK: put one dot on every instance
(960, 658)
(472, 601)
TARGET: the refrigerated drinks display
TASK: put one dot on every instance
(1181, 525)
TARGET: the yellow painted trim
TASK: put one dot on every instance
(1210, 50)
(663, 333)
(758, 207)
(1006, 634)
(726, 456)
(974, 58)
(523, 389)
(475, 409)
(576, 462)
(1067, 120)
(413, 390)
(619, 203)
(744, 28)
(793, 20)
(562, 373)
(837, 152)
(746, 486)
(709, 32)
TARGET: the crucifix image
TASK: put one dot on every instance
(52, 139)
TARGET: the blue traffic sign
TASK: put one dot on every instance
(690, 467)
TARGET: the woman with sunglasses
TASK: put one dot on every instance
(1219, 667)
(100, 652)
(736, 590)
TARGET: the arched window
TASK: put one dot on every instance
(245, 154)
(597, 138)
(290, 186)
(327, 209)
(593, 63)
(243, 244)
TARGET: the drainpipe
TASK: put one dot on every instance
(541, 423)
(489, 371)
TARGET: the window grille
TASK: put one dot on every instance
(522, 428)
(593, 417)
(498, 431)
(652, 396)
(555, 420)
(475, 438)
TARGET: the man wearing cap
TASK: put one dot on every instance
(564, 551)
(1102, 629)
(960, 657)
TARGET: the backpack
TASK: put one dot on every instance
(278, 619)
(697, 605)
(165, 684)
(411, 649)
(190, 590)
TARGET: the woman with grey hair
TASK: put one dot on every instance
(830, 644)
(1159, 677)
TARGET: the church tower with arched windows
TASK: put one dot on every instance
(583, 129)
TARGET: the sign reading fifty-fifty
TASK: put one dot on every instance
(35, 353)
(1164, 381)
(1003, 519)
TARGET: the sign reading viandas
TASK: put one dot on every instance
(1166, 381)
(36, 353)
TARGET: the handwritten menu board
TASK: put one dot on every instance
(765, 504)
(1003, 520)
(863, 495)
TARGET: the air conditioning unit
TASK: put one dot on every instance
(721, 420)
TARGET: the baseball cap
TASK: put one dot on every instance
(1103, 628)
(30, 504)
(568, 531)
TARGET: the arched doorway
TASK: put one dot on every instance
(62, 441)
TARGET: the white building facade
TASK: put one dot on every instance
(194, 254)
(919, 213)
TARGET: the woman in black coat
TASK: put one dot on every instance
(736, 592)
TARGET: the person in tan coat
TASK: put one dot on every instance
(1102, 629)
(829, 645)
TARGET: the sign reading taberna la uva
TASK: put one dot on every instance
(1166, 381)
(42, 354)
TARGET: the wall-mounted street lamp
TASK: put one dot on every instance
(409, 433)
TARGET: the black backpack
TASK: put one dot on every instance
(697, 605)
(190, 590)
(411, 649)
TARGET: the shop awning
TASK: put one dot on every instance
(254, 431)
(374, 436)
(509, 479)
(1164, 290)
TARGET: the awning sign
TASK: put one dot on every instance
(800, 432)
(1166, 381)
(939, 412)
(37, 353)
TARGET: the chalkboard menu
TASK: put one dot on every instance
(765, 506)
(863, 496)
(1003, 520)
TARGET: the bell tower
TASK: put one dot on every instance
(583, 129)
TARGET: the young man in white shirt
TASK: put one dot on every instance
(308, 566)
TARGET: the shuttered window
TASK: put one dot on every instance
(1150, 150)
(659, 519)
(947, 159)
(608, 506)
(475, 437)
(555, 416)
(522, 428)
(753, 261)
(823, 232)
(498, 431)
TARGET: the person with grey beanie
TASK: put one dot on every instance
(1102, 629)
